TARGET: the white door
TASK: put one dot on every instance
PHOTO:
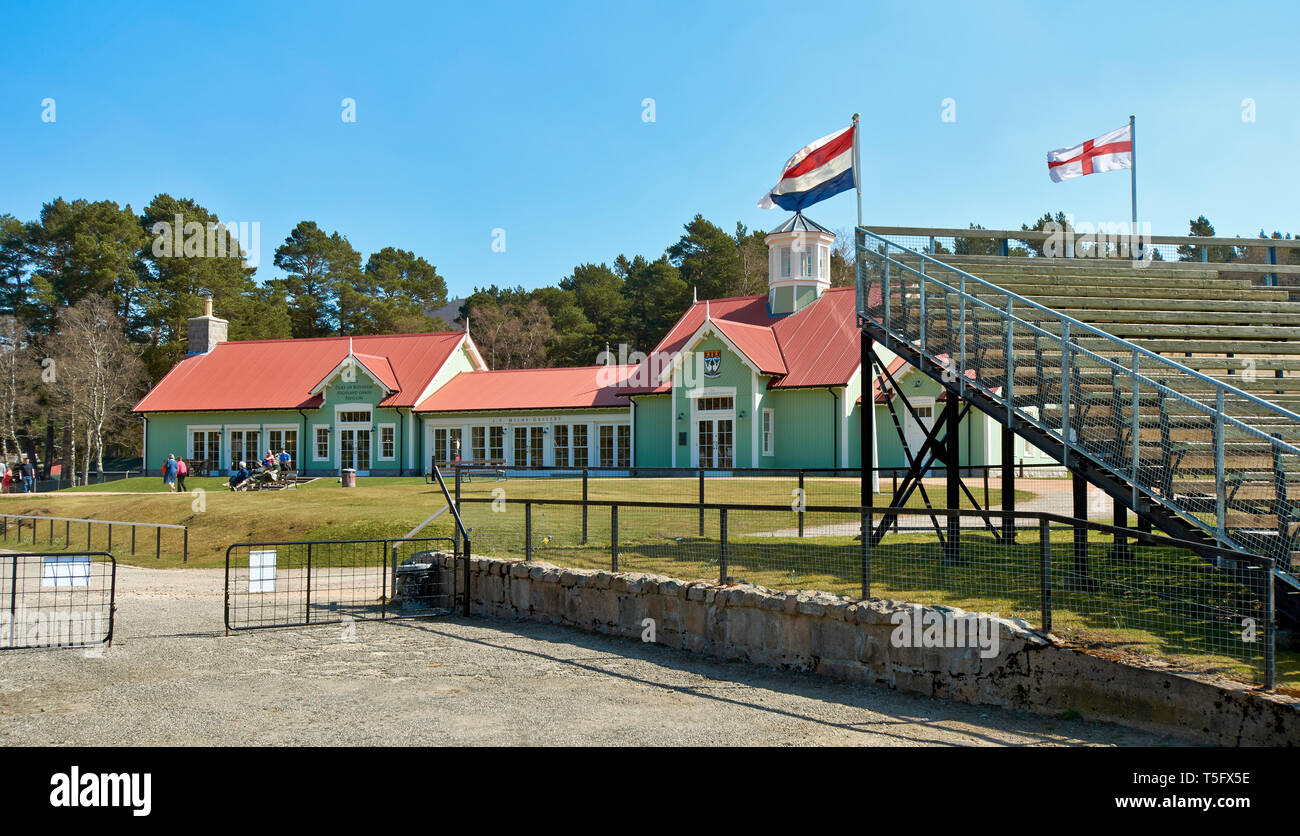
(916, 431)
(354, 449)
(715, 442)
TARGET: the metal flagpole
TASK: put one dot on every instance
(857, 170)
(868, 402)
(1133, 187)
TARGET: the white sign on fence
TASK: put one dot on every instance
(65, 571)
(261, 571)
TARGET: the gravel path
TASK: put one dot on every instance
(171, 677)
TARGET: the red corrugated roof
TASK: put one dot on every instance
(756, 342)
(818, 346)
(280, 374)
(877, 391)
(380, 368)
(562, 388)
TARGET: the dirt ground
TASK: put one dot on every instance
(173, 678)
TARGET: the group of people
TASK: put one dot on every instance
(272, 467)
(11, 474)
(174, 471)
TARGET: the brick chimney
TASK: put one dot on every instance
(206, 331)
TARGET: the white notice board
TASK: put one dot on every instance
(65, 571)
(261, 571)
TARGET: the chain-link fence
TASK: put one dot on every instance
(1267, 262)
(1037, 487)
(1121, 591)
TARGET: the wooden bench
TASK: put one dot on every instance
(288, 478)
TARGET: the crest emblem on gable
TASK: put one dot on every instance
(712, 363)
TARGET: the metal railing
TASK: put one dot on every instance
(64, 600)
(1249, 258)
(297, 583)
(1222, 461)
(55, 539)
(1198, 606)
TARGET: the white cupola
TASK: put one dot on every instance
(798, 264)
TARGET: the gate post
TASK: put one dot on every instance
(701, 502)
(1008, 486)
(307, 604)
(722, 546)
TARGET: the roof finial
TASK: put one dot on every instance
(349, 346)
(695, 293)
(706, 310)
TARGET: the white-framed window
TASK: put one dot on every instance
(497, 443)
(561, 445)
(283, 438)
(446, 444)
(785, 261)
(321, 449)
(715, 404)
(824, 269)
(580, 449)
(624, 445)
(244, 444)
(806, 264)
(354, 416)
(387, 442)
(205, 448)
(478, 443)
(769, 432)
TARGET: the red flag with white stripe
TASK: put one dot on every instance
(1109, 152)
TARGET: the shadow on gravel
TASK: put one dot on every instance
(925, 711)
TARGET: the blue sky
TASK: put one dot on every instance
(473, 116)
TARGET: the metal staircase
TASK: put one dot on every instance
(1198, 458)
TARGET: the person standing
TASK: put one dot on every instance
(170, 469)
(182, 470)
(29, 475)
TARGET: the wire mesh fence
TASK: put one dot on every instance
(1164, 429)
(330, 581)
(53, 601)
(1122, 591)
(1037, 486)
(1274, 260)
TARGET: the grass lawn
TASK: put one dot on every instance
(1147, 607)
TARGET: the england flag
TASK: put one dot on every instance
(816, 171)
(1109, 152)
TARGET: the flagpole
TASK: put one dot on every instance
(1133, 185)
(857, 169)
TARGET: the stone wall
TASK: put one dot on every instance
(851, 640)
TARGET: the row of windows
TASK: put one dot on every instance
(569, 445)
(358, 439)
(245, 445)
(805, 262)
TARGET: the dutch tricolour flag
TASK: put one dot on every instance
(816, 171)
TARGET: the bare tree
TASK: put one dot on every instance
(98, 374)
(15, 381)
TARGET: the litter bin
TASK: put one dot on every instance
(349, 477)
(423, 583)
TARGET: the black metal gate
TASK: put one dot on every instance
(293, 584)
(57, 600)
